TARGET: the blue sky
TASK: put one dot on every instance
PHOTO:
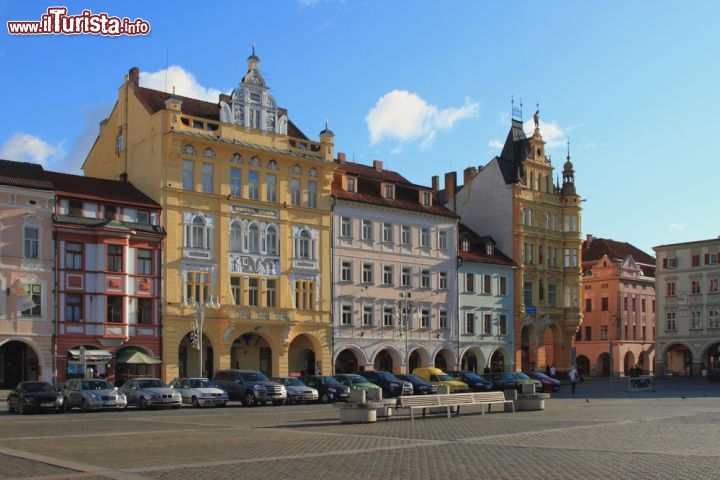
(424, 86)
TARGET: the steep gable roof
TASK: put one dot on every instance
(100, 189)
(616, 251)
(23, 175)
(478, 252)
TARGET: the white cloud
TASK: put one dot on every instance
(404, 116)
(496, 144)
(184, 82)
(678, 226)
(553, 135)
(23, 147)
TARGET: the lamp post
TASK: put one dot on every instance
(404, 324)
(212, 303)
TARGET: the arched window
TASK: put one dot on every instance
(198, 233)
(304, 244)
(297, 169)
(271, 238)
(235, 237)
(253, 245)
(272, 165)
(465, 245)
(208, 153)
(522, 216)
(189, 150)
(313, 172)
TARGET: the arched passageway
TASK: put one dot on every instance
(18, 363)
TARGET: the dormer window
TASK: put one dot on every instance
(110, 212)
(426, 199)
(75, 208)
(489, 249)
(389, 191)
(143, 216)
(351, 185)
(465, 245)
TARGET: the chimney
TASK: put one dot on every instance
(435, 183)
(588, 240)
(377, 165)
(341, 157)
(468, 174)
(450, 185)
(134, 76)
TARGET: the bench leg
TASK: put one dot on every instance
(449, 411)
(424, 410)
(412, 414)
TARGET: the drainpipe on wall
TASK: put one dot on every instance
(56, 320)
(332, 288)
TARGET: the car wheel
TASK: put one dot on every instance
(250, 400)
(141, 403)
(324, 398)
(176, 407)
(21, 407)
(195, 402)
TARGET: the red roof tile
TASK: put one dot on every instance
(100, 189)
(477, 252)
(615, 250)
(23, 175)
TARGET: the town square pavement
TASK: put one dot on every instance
(672, 432)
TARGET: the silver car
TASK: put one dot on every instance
(92, 394)
(150, 392)
(297, 391)
(200, 392)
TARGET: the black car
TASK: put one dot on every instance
(34, 397)
(473, 380)
(329, 389)
(250, 387)
(503, 381)
(390, 384)
(420, 386)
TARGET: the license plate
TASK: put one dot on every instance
(47, 404)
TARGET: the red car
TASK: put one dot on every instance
(549, 384)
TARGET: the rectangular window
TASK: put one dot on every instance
(197, 286)
(443, 320)
(235, 182)
(552, 295)
(388, 316)
(603, 332)
(528, 293)
(188, 180)
(487, 284)
(642, 305)
(350, 184)
(404, 234)
(387, 232)
(487, 323)
(114, 310)
(236, 290)
(346, 315)
(442, 240)
(389, 192)
(669, 288)
(254, 186)
(73, 256)
(695, 320)
(271, 188)
(305, 295)
(367, 273)
(271, 293)
(405, 277)
(633, 304)
(110, 212)
(295, 191)
(502, 287)
(35, 292)
(312, 194)
(253, 292)
(470, 323)
(75, 208)
(713, 286)
(346, 272)
(143, 216)
(367, 232)
(695, 260)
(502, 320)
(713, 318)
(625, 303)
(588, 304)
(588, 334)
(470, 282)
(425, 318)
(207, 178)
(443, 280)
(388, 275)
(425, 279)
(670, 324)
(73, 308)
(605, 304)
(345, 227)
(144, 260)
(695, 287)
(368, 316)
(32, 243)
(144, 311)
(425, 237)
(115, 258)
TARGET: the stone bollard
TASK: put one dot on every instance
(528, 388)
(358, 396)
(443, 389)
(374, 395)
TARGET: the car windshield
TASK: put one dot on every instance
(413, 378)
(291, 382)
(385, 376)
(473, 376)
(330, 381)
(445, 377)
(508, 376)
(36, 387)
(202, 383)
(96, 385)
(522, 375)
(152, 383)
(357, 379)
(254, 377)
(540, 375)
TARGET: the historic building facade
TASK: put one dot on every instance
(247, 208)
(513, 199)
(485, 304)
(394, 267)
(108, 251)
(687, 335)
(618, 309)
(26, 274)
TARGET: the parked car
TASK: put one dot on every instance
(200, 392)
(34, 397)
(329, 389)
(150, 392)
(92, 394)
(420, 386)
(522, 378)
(475, 382)
(250, 387)
(297, 391)
(549, 384)
(503, 380)
(390, 384)
(355, 381)
(438, 377)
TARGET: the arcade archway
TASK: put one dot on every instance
(18, 363)
(301, 356)
(189, 358)
(251, 351)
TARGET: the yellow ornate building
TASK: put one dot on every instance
(247, 209)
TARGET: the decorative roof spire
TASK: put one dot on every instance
(536, 117)
(326, 130)
(516, 111)
(253, 56)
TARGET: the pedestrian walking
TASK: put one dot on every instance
(553, 372)
(573, 379)
(547, 370)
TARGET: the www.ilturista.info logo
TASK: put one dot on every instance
(56, 21)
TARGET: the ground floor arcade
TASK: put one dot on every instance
(24, 359)
(688, 357)
(595, 358)
(360, 354)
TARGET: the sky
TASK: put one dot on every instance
(425, 86)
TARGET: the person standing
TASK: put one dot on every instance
(573, 379)
(553, 372)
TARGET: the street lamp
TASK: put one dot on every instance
(212, 303)
(404, 324)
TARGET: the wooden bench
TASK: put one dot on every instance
(452, 400)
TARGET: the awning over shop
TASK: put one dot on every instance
(91, 354)
(137, 358)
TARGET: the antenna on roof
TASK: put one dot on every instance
(173, 89)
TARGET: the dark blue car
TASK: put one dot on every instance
(420, 386)
(473, 380)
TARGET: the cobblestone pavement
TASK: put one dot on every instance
(597, 433)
